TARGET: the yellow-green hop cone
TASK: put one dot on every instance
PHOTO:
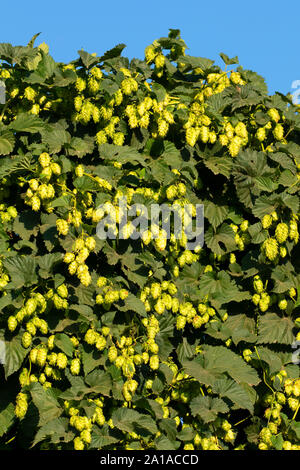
(154, 362)
(112, 353)
(21, 405)
(41, 356)
(44, 159)
(281, 232)
(75, 366)
(150, 53)
(270, 247)
(61, 361)
(12, 323)
(274, 114)
(191, 136)
(292, 292)
(244, 225)
(282, 304)
(247, 353)
(282, 251)
(256, 299)
(26, 339)
(80, 84)
(258, 284)
(62, 226)
(234, 148)
(62, 291)
(160, 61)
(78, 444)
(180, 322)
(278, 132)
(261, 134)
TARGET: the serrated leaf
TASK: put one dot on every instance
(220, 359)
(275, 329)
(27, 123)
(240, 395)
(215, 213)
(47, 263)
(7, 142)
(63, 342)
(130, 420)
(46, 403)
(14, 354)
(220, 240)
(134, 304)
(240, 328)
(22, 270)
(26, 224)
(227, 60)
(207, 408)
(7, 416)
(100, 382)
(219, 165)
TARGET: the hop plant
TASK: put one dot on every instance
(75, 366)
(281, 232)
(62, 226)
(271, 248)
(21, 405)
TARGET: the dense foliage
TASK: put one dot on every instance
(143, 343)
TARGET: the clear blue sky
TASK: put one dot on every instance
(264, 34)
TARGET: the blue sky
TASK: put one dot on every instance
(264, 34)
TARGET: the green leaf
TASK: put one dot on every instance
(220, 240)
(22, 270)
(283, 279)
(55, 430)
(100, 382)
(130, 420)
(26, 224)
(87, 59)
(219, 165)
(27, 123)
(269, 357)
(55, 139)
(227, 60)
(215, 213)
(7, 142)
(168, 426)
(275, 329)
(91, 358)
(240, 328)
(63, 342)
(196, 62)
(114, 52)
(220, 359)
(14, 354)
(7, 414)
(135, 304)
(84, 183)
(263, 205)
(207, 408)
(47, 263)
(221, 288)
(163, 443)
(101, 440)
(240, 394)
(46, 403)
